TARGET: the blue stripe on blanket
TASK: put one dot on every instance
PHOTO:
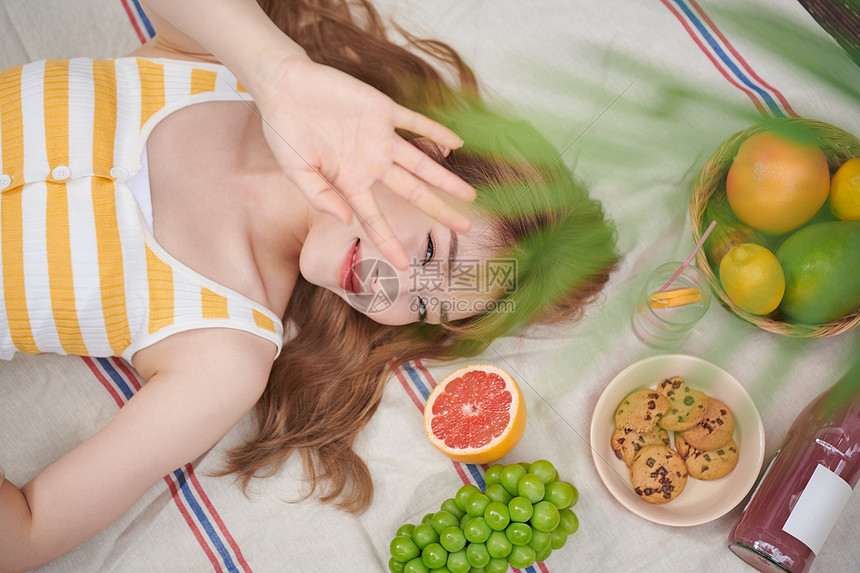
(726, 59)
(418, 383)
(203, 519)
(150, 30)
(118, 379)
(215, 533)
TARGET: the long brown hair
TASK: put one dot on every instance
(329, 378)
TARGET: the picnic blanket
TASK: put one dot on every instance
(636, 95)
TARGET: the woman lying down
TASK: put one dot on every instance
(150, 210)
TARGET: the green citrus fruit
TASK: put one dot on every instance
(821, 263)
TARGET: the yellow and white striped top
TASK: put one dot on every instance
(81, 273)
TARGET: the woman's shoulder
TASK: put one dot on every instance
(194, 352)
(158, 49)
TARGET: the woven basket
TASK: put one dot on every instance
(839, 147)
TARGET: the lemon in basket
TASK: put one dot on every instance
(753, 278)
(777, 182)
(845, 191)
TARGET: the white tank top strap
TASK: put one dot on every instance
(139, 185)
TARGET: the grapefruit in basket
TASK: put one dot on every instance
(777, 182)
(476, 414)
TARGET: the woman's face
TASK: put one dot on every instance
(343, 259)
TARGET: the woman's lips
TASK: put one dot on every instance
(347, 275)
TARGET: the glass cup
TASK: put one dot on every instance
(665, 319)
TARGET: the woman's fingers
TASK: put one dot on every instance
(415, 122)
(324, 197)
(377, 228)
(421, 165)
(412, 159)
(321, 194)
(422, 196)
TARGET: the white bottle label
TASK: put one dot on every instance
(818, 508)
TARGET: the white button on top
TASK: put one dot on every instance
(118, 172)
(5, 180)
(61, 172)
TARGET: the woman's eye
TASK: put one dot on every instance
(431, 250)
(422, 310)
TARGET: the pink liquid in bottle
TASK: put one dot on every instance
(808, 483)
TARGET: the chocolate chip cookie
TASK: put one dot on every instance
(686, 406)
(681, 445)
(715, 429)
(641, 410)
(712, 464)
(626, 443)
(658, 474)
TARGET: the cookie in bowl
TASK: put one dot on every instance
(686, 405)
(626, 442)
(658, 474)
(641, 410)
(715, 429)
(709, 465)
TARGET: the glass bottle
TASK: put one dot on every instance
(799, 499)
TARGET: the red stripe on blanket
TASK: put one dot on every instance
(759, 106)
(174, 492)
(130, 375)
(134, 380)
(133, 21)
(216, 517)
(427, 376)
(458, 467)
(409, 391)
(740, 58)
(420, 405)
(104, 381)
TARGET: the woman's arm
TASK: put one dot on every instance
(236, 32)
(333, 135)
(182, 410)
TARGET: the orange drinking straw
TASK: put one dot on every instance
(690, 258)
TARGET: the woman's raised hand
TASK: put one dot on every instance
(332, 134)
(335, 136)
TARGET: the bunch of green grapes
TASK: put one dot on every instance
(521, 517)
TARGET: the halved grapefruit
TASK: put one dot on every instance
(476, 414)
